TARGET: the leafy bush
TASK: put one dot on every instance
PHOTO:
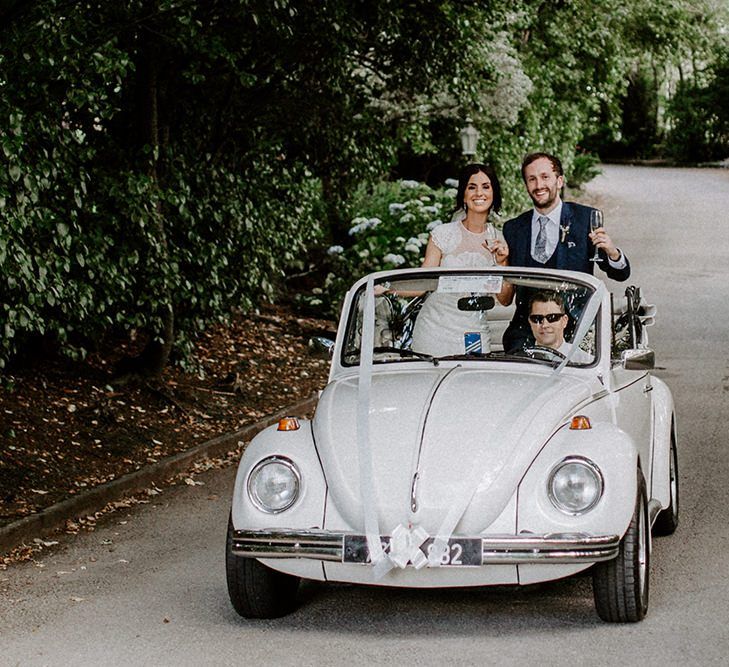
(584, 168)
(698, 115)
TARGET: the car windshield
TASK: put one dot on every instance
(437, 316)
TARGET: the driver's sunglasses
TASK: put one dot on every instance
(551, 318)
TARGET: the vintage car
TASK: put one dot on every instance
(436, 458)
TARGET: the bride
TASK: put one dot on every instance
(463, 243)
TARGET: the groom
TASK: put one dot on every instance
(553, 235)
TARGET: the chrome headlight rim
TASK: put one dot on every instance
(586, 463)
(253, 495)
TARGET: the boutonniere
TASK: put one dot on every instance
(565, 230)
(570, 244)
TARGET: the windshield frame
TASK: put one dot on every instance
(580, 280)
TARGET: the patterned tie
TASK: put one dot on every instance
(540, 247)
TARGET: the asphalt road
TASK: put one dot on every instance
(148, 587)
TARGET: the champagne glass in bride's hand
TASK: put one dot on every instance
(596, 221)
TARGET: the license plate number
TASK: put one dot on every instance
(461, 552)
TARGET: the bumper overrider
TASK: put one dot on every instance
(470, 551)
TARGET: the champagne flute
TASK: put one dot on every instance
(596, 221)
(491, 235)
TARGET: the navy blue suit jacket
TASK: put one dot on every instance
(572, 254)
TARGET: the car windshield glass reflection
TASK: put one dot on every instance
(457, 316)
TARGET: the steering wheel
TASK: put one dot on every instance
(544, 353)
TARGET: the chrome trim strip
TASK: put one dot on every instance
(512, 549)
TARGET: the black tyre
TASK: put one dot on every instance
(667, 520)
(621, 585)
(255, 590)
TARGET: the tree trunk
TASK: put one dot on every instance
(156, 354)
(332, 196)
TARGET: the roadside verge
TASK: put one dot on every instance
(94, 500)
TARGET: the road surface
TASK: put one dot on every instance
(148, 586)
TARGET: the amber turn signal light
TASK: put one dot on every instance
(288, 424)
(580, 423)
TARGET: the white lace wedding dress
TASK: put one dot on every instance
(440, 328)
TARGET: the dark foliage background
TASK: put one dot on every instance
(165, 162)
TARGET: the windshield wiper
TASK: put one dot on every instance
(466, 357)
(406, 353)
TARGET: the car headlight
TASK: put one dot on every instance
(273, 485)
(575, 485)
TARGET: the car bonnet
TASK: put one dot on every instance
(466, 432)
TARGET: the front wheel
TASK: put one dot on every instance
(620, 586)
(257, 591)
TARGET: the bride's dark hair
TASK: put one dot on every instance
(466, 173)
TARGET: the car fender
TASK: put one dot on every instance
(664, 421)
(297, 446)
(615, 455)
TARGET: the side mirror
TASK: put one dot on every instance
(641, 359)
(322, 348)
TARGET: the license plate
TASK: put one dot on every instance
(461, 552)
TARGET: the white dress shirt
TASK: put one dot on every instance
(552, 230)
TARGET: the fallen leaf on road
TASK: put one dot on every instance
(45, 543)
(75, 598)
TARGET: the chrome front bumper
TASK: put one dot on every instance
(510, 549)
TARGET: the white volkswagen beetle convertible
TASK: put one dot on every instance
(438, 459)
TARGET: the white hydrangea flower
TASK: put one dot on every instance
(451, 182)
(413, 241)
(407, 217)
(395, 206)
(358, 224)
(397, 260)
(409, 184)
(430, 209)
(432, 225)
(400, 239)
(364, 253)
(451, 192)
(335, 250)
(423, 236)
(411, 247)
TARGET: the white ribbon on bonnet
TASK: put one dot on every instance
(405, 542)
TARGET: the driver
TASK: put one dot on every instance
(548, 319)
